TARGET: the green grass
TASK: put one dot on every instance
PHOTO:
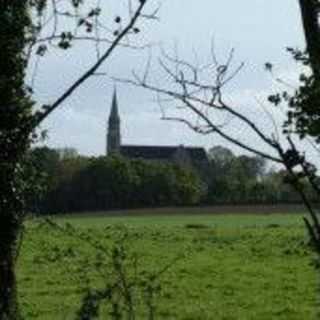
(230, 266)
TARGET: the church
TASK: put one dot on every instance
(194, 157)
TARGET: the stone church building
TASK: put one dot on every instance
(194, 157)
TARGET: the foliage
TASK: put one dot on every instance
(86, 184)
(76, 183)
(246, 179)
(16, 123)
(303, 112)
(234, 179)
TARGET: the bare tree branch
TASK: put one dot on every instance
(95, 67)
(215, 128)
(204, 97)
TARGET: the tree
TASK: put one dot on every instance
(22, 26)
(303, 113)
(191, 91)
(44, 165)
(221, 155)
(67, 153)
(60, 196)
(104, 183)
(310, 19)
(233, 178)
(16, 123)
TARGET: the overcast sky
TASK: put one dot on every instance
(259, 30)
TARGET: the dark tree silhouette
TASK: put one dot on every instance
(310, 19)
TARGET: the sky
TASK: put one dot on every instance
(258, 30)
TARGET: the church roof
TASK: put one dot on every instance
(161, 152)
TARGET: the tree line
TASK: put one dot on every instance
(74, 183)
(68, 182)
(248, 180)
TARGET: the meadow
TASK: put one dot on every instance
(231, 266)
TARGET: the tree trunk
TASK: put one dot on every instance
(11, 215)
(8, 286)
(310, 13)
(15, 128)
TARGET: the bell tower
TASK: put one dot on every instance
(113, 131)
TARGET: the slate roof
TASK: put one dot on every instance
(161, 152)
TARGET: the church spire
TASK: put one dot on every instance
(114, 114)
(113, 133)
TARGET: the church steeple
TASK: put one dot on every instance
(114, 114)
(113, 134)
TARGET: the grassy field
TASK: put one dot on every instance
(219, 266)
